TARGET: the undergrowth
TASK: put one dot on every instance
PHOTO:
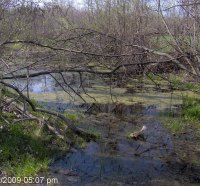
(27, 149)
(188, 115)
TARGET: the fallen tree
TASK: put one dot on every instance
(68, 122)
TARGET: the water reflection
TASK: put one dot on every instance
(38, 84)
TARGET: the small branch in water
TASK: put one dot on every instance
(146, 150)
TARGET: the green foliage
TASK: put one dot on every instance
(192, 113)
(154, 77)
(27, 166)
(26, 149)
(73, 116)
(191, 86)
(191, 108)
(189, 115)
(176, 83)
(81, 142)
(179, 83)
(95, 132)
(9, 116)
(174, 124)
(189, 101)
(165, 43)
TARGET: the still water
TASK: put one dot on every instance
(115, 159)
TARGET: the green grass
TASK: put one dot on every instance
(191, 108)
(26, 149)
(95, 132)
(80, 142)
(192, 113)
(191, 86)
(73, 116)
(27, 166)
(155, 77)
(9, 116)
(188, 116)
(179, 82)
(174, 124)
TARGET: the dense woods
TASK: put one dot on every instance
(111, 35)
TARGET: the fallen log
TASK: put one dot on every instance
(68, 122)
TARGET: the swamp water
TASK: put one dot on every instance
(114, 159)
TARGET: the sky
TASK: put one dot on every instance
(78, 3)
